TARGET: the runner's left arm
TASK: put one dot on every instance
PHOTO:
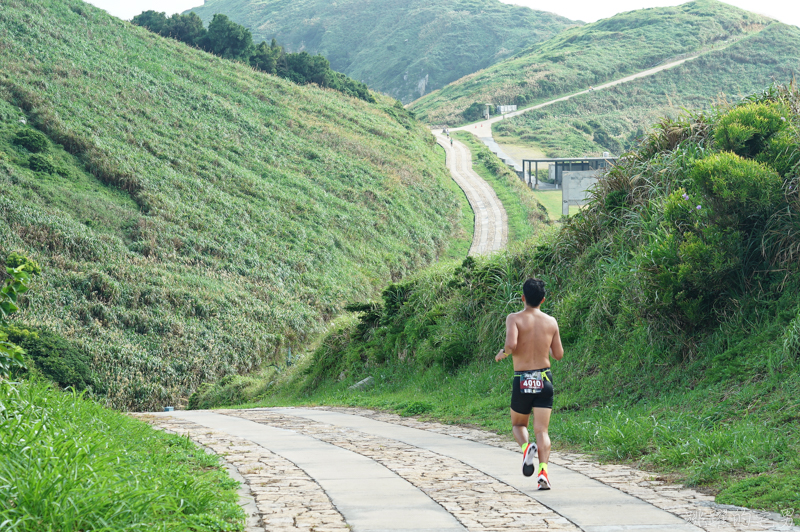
(511, 338)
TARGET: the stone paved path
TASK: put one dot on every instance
(491, 220)
(335, 469)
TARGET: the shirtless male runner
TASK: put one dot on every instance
(531, 337)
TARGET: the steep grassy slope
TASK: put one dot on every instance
(195, 218)
(589, 55)
(677, 290)
(405, 48)
(612, 119)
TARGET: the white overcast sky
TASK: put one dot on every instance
(787, 11)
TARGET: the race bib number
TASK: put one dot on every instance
(531, 382)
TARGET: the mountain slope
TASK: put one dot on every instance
(405, 48)
(612, 119)
(195, 218)
(589, 55)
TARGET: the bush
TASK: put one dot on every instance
(474, 112)
(15, 260)
(738, 185)
(56, 358)
(782, 152)
(746, 130)
(41, 163)
(32, 140)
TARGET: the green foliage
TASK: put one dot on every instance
(739, 186)
(265, 57)
(474, 112)
(10, 354)
(70, 464)
(32, 140)
(586, 56)
(186, 28)
(153, 21)
(746, 130)
(17, 260)
(41, 163)
(681, 338)
(403, 49)
(55, 358)
(233, 41)
(227, 39)
(210, 215)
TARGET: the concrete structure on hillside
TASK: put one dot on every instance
(574, 176)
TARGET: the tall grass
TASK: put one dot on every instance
(69, 464)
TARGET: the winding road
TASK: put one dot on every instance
(339, 470)
(484, 129)
(491, 220)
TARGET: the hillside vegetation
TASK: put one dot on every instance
(404, 48)
(70, 464)
(230, 40)
(589, 55)
(193, 218)
(677, 290)
(613, 119)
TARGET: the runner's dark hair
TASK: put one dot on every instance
(534, 292)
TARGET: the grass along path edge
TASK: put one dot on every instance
(526, 215)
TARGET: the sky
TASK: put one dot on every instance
(787, 11)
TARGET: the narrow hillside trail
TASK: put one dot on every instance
(483, 130)
(491, 220)
(342, 469)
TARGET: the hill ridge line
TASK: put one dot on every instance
(483, 129)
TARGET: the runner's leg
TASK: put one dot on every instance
(519, 424)
(541, 421)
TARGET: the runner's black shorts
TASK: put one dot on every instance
(524, 403)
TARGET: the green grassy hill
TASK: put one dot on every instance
(589, 55)
(404, 48)
(677, 290)
(193, 218)
(612, 119)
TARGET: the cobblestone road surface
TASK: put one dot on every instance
(287, 497)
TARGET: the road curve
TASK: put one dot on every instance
(491, 220)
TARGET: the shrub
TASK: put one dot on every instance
(782, 152)
(41, 163)
(15, 260)
(739, 185)
(745, 130)
(57, 359)
(32, 140)
(474, 112)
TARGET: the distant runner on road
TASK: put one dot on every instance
(532, 337)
